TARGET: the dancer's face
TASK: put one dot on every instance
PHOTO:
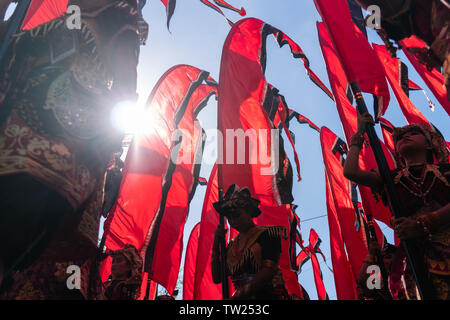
(120, 266)
(411, 141)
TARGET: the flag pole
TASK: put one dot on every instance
(16, 22)
(415, 259)
(223, 252)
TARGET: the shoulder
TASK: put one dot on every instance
(273, 232)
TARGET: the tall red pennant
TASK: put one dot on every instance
(392, 70)
(244, 91)
(356, 55)
(347, 114)
(190, 263)
(340, 189)
(168, 240)
(42, 11)
(154, 196)
(344, 280)
(433, 78)
(314, 243)
(204, 287)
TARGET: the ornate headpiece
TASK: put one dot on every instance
(235, 198)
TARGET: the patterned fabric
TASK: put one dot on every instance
(246, 256)
(424, 189)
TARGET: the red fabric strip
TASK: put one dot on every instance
(355, 53)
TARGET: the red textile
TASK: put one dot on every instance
(168, 246)
(244, 91)
(356, 55)
(434, 79)
(43, 11)
(392, 70)
(354, 240)
(344, 279)
(154, 197)
(190, 263)
(347, 114)
(314, 243)
(204, 287)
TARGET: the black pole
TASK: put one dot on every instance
(414, 256)
(16, 22)
(223, 254)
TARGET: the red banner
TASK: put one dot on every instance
(204, 287)
(356, 55)
(246, 104)
(433, 78)
(190, 263)
(42, 11)
(347, 114)
(340, 188)
(344, 279)
(154, 197)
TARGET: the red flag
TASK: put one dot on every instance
(190, 264)
(344, 279)
(340, 188)
(42, 11)
(347, 114)
(154, 196)
(165, 246)
(433, 78)
(204, 287)
(170, 9)
(245, 92)
(314, 243)
(356, 55)
(392, 69)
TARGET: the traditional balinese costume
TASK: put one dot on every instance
(247, 254)
(422, 190)
(57, 88)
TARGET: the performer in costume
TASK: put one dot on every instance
(422, 182)
(252, 257)
(126, 270)
(57, 88)
(428, 20)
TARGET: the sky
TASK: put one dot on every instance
(196, 37)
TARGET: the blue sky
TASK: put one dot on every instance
(196, 38)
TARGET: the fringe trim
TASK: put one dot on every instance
(249, 257)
